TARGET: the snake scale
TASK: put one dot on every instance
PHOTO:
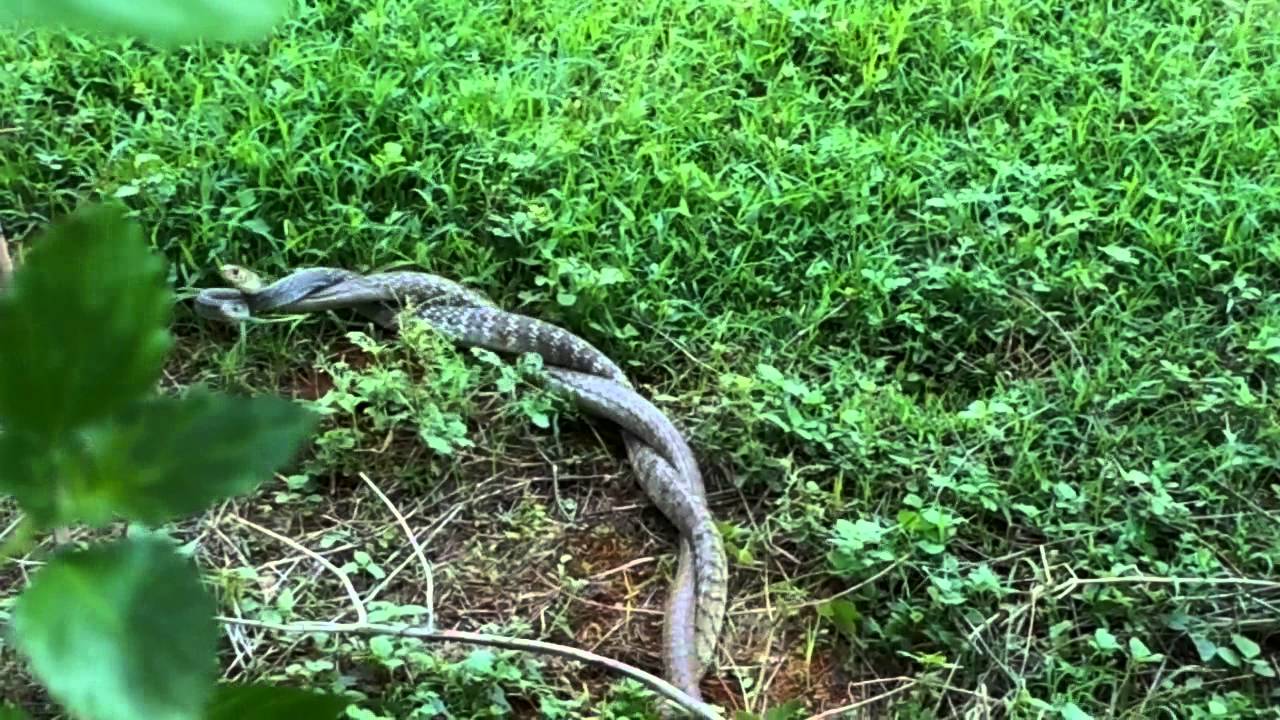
(663, 461)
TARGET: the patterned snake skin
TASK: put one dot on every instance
(663, 460)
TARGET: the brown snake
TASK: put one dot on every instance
(664, 463)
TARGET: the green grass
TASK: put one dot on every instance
(958, 302)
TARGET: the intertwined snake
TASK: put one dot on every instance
(663, 461)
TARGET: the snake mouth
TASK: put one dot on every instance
(221, 304)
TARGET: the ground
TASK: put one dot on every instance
(970, 310)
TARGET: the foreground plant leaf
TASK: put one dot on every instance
(157, 460)
(8, 712)
(83, 325)
(264, 702)
(122, 630)
(166, 22)
(169, 457)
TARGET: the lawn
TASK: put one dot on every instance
(971, 311)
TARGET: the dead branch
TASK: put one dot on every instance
(670, 692)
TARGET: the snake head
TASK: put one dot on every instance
(223, 305)
(242, 279)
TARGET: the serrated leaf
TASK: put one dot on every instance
(168, 22)
(858, 534)
(257, 226)
(1248, 648)
(265, 702)
(122, 630)
(84, 326)
(160, 459)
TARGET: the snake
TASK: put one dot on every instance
(663, 461)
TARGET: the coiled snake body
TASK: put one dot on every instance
(664, 464)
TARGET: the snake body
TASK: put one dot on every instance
(664, 463)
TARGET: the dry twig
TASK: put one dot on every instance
(361, 615)
(364, 629)
(417, 549)
(907, 684)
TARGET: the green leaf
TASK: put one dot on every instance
(174, 456)
(786, 711)
(932, 548)
(1141, 652)
(1248, 648)
(157, 460)
(8, 712)
(122, 630)
(480, 661)
(381, 647)
(167, 22)
(233, 701)
(1105, 640)
(857, 535)
(842, 614)
(1071, 711)
(1120, 254)
(1205, 648)
(84, 327)
(769, 373)
(1029, 215)
(257, 226)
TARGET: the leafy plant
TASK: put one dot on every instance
(125, 628)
